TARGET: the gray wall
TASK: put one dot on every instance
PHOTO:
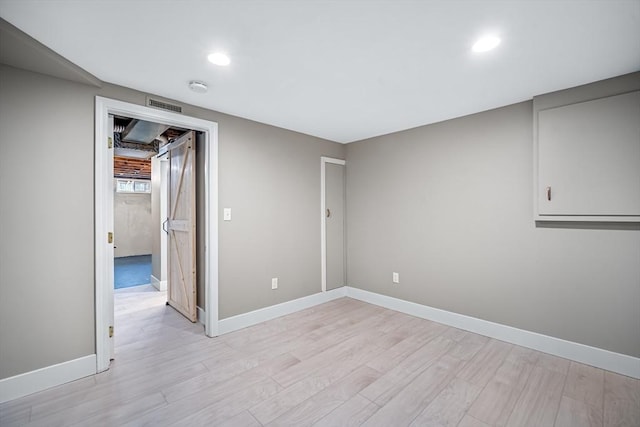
(449, 206)
(46, 221)
(271, 181)
(132, 226)
(269, 176)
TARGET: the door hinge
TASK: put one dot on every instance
(109, 142)
(110, 331)
(110, 237)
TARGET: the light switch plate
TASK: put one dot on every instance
(227, 214)
(274, 283)
(396, 277)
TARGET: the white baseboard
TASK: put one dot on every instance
(43, 378)
(244, 320)
(160, 285)
(604, 359)
(51, 376)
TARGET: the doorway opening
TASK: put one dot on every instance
(133, 217)
(204, 139)
(140, 174)
(155, 220)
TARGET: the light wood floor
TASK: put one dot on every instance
(342, 363)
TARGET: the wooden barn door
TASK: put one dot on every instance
(181, 286)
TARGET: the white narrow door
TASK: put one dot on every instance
(334, 224)
(181, 287)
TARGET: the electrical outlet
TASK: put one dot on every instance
(396, 277)
(274, 283)
(227, 214)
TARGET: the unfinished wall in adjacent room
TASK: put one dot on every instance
(449, 206)
(132, 224)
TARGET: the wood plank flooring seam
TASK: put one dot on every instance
(487, 385)
(564, 385)
(479, 394)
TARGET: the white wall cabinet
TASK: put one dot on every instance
(587, 160)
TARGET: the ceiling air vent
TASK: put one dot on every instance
(163, 105)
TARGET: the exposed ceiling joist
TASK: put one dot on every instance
(128, 168)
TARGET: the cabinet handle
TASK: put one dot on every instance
(549, 193)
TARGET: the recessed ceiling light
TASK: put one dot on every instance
(196, 86)
(486, 43)
(219, 58)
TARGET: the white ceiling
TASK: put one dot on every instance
(340, 70)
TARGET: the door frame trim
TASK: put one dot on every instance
(103, 186)
(323, 208)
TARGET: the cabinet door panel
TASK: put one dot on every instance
(589, 157)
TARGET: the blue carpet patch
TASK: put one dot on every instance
(132, 271)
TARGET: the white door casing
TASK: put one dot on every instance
(109, 213)
(104, 223)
